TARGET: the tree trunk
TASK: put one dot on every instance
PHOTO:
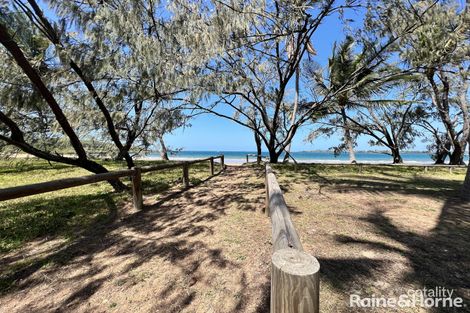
(99, 169)
(347, 137)
(17, 139)
(163, 150)
(397, 159)
(465, 191)
(442, 151)
(456, 157)
(12, 47)
(258, 148)
(123, 151)
(55, 39)
(273, 156)
(440, 99)
(294, 113)
(440, 157)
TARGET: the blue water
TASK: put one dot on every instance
(238, 157)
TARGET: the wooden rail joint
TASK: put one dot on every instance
(294, 274)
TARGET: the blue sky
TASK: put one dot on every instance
(215, 133)
(208, 132)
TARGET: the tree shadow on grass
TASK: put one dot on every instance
(368, 181)
(164, 229)
(45, 217)
(27, 166)
(424, 186)
(16, 273)
(439, 258)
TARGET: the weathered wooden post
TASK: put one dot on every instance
(295, 282)
(186, 175)
(266, 207)
(137, 188)
(247, 158)
(222, 163)
(212, 165)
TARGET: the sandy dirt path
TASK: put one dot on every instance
(206, 249)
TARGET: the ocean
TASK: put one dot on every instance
(239, 157)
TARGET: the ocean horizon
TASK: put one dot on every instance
(239, 157)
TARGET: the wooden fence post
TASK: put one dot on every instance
(222, 163)
(295, 282)
(137, 188)
(212, 166)
(247, 158)
(186, 175)
(266, 206)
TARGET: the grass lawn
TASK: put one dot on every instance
(381, 231)
(205, 249)
(65, 212)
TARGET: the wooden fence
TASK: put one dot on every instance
(361, 166)
(258, 158)
(294, 274)
(135, 174)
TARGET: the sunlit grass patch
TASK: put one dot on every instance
(67, 212)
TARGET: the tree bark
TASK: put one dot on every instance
(294, 113)
(104, 110)
(456, 157)
(440, 99)
(163, 149)
(258, 148)
(55, 39)
(12, 47)
(347, 137)
(440, 157)
(397, 159)
(442, 151)
(17, 139)
(465, 191)
(273, 155)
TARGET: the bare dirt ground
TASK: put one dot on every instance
(381, 232)
(206, 249)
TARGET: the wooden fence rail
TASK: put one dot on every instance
(259, 158)
(295, 280)
(135, 174)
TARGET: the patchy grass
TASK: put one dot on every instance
(381, 231)
(205, 249)
(65, 213)
(378, 232)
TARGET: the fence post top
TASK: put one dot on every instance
(295, 262)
